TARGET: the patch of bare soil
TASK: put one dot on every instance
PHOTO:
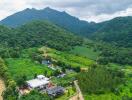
(2, 88)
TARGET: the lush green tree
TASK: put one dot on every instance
(56, 72)
(21, 80)
(35, 75)
(77, 69)
(45, 73)
(37, 57)
(63, 69)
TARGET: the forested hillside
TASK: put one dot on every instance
(34, 34)
(44, 33)
(117, 31)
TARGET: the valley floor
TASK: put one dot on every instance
(2, 87)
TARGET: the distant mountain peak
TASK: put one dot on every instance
(48, 8)
(29, 9)
(64, 12)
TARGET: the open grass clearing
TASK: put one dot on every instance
(17, 67)
(85, 52)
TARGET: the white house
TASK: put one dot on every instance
(40, 82)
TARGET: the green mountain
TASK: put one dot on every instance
(61, 19)
(117, 31)
(38, 33)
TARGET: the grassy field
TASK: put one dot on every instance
(67, 58)
(86, 52)
(17, 67)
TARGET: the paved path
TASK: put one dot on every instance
(2, 87)
(79, 95)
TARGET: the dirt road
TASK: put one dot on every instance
(79, 95)
(2, 88)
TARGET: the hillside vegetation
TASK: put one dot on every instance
(37, 33)
(66, 59)
(87, 52)
(117, 31)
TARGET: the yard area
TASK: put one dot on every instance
(22, 66)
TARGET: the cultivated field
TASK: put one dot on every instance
(87, 52)
(17, 67)
(68, 58)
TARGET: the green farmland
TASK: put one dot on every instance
(17, 67)
(67, 58)
(87, 52)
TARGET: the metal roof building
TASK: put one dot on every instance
(39, 82)
(55, 91)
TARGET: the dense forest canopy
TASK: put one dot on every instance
(111, 53)
(117, 31)
(99, 80)
(38, 33)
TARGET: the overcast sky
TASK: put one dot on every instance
(90, 10)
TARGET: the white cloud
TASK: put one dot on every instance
(8, 7)
(90, 10)
(105, 17)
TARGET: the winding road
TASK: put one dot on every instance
(79, 95)
(2, 88)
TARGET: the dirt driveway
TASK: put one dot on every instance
(2, 88)
(79, 95)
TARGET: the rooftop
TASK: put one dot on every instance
(39, 81)
(55, 90)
